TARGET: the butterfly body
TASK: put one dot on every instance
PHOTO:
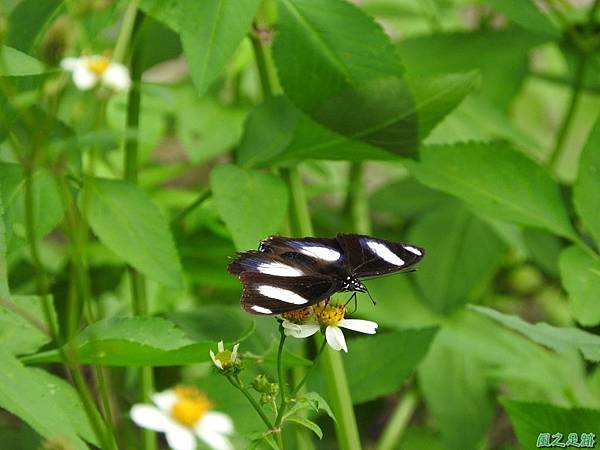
(286, 274)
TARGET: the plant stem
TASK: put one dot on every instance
(357, 205)
(337, 383)
(563, 131)
(235, 382)
(127, 29)
(394, 429)
(131, 24)
(204, 194)
(262, 64)
(281, 378)
(310, 369)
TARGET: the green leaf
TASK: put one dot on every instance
(28, 21)
(19, 64)
(129, 223)
(137, 341)
(35, 402)
(560, 339)
(580, 275)
(165, 11)
(544, 248)
(318, 403)
(529, 419)
(252, 204)
(463, 252)
(18, 334)
(310, 36)
(276, 132)
(500, 56)
(47, 206)
(526, 14)
(587, 186)
(303, 421)
(377, 365)
(501, 182)
(462, 409)
(210, 32)
(205, 127)
(354, 87)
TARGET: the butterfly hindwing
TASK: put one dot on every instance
(366, 256)
(269, 294)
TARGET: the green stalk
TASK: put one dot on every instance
(281, 378)
(565, 126)
(202, 197)
(396, 425)
(310, 369)
(337, 383)
(357, 205)
(236, 383)
(131, 24)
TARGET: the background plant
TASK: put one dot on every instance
(467, 127)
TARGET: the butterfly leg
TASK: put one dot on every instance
(353, 297)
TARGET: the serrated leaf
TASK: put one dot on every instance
(501, 182)
(210, 32)
(462, 253)
(580, 275)
(129, 224)
(19, 64)
(560, 339)
(587, 186)
(252, 204)
(18, 335)
(22, 394)
(303, 421)
(136, 341)
(318, 403)
(462, 409)
(529, 419)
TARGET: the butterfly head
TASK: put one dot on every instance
(353, 284)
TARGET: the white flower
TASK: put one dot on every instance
(332, 318)
(225, 358)
(88, 71)
(182, 414)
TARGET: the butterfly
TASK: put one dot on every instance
(286, 274)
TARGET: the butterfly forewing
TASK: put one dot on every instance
(366, 256)
(321, 250)
(268, 294)
(258, 262)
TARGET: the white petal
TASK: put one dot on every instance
(70, 63)
(363, 326)
(150, 417)
(165, 400)
(180, 438)
(214, 440)
(221, 347)
(300, 331)
(84, 78)
(335, 338)
(116, 76)
(216, 421)
(234, 352)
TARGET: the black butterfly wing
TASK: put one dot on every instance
(268, 294)
(321, 250)
(366, 256)
(268, 264)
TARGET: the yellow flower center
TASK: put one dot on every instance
(329, 315)
(224, 357)
(298, 316)
(190, 405)
(97, 64)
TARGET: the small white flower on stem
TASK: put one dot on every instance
(184, 414)
(332, 317)
(89, 71)
(225, 359)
